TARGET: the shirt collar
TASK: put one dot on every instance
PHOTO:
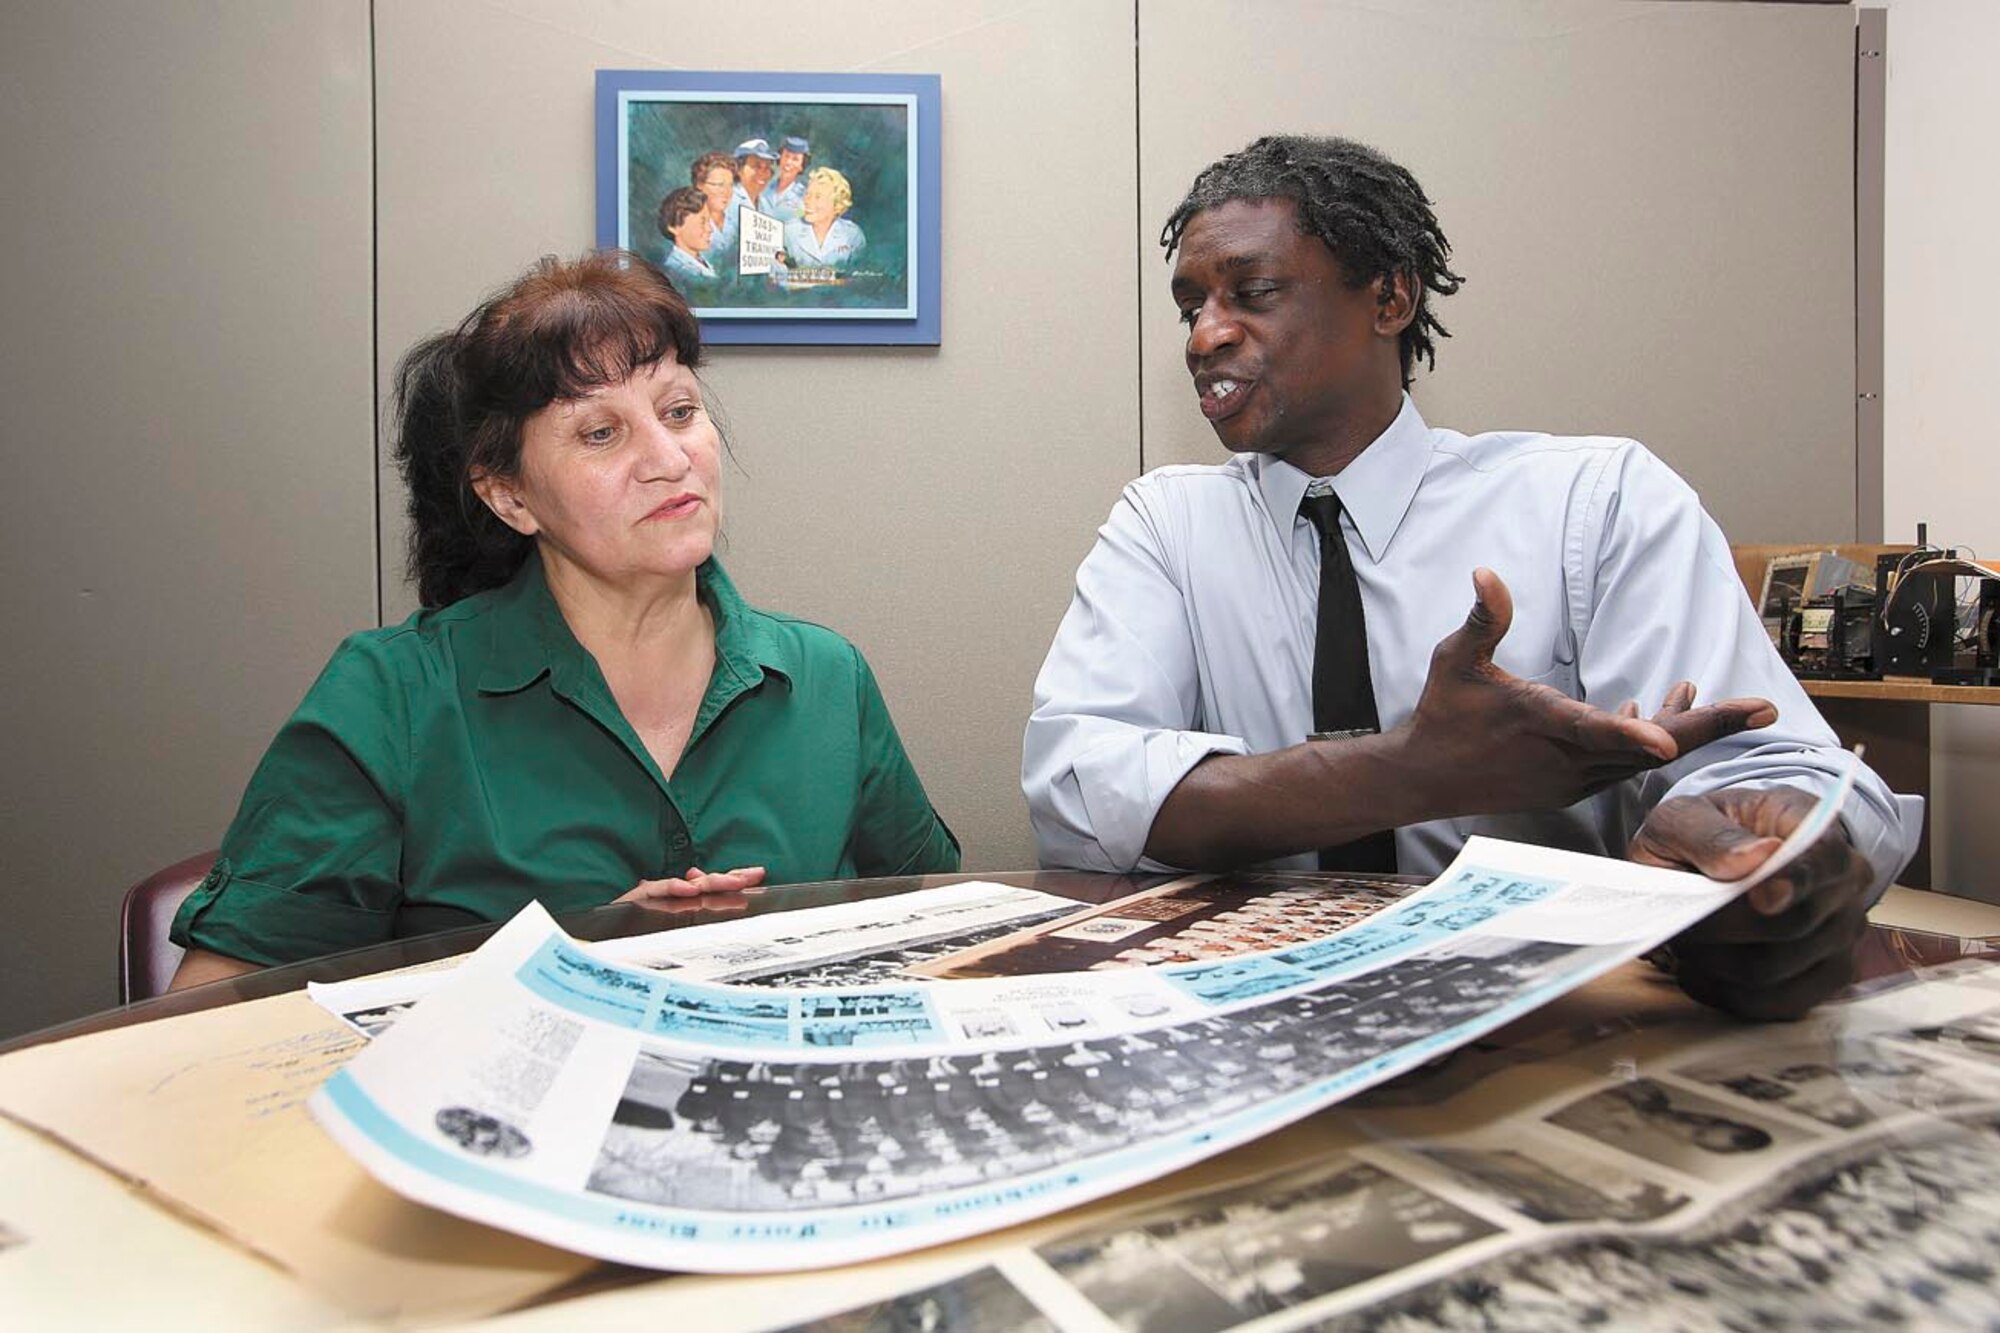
(1375, 489)
(528, 638)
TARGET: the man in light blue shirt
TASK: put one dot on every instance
(1172, 716)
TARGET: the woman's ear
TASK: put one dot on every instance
(503, 496)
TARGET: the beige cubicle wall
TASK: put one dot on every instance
(1651, 202)
(187, 527)
(223, 223)
(930, 503)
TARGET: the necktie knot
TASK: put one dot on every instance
(1323, 512)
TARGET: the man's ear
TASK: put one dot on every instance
(1395, 305)
(503, 496)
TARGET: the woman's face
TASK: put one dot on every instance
(622, 485)
(695, 233)
(717, 186)
(818, 204)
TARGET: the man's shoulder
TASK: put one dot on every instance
(1500, 450)
(1238, 473)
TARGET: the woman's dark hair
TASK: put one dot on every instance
(564, 328)
(1368, 210)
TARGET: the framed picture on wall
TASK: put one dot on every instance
(790, 208)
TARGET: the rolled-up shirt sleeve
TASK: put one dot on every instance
(1116, 720)
(1663, 603)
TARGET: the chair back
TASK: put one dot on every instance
(146, 957)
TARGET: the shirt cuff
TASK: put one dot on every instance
(1122, 793)
(269, 925)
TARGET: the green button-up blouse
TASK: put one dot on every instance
(447, 770)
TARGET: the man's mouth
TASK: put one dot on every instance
(1221, 396)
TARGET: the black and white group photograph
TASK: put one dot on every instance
(1676, 1128)
(1903, 1234)
(1846, 1082)
(1551, 1183)
(1210, 1262)
(787, 1134)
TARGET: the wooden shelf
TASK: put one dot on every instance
(1904, 690)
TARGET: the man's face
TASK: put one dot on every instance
(1287, 359)
(756, 174)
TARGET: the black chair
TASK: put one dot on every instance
(146, 957)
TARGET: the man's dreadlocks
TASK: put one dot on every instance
(1370, 212)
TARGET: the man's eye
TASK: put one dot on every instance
(1260, 292)
(1188, 313)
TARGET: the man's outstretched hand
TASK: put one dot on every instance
(1788, 943)
(1480, 742)
(1489, 742)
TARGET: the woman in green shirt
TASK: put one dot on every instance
(585, 709)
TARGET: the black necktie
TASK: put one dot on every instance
(1343, 692)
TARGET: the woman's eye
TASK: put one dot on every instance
(682, 413)
(600, 435)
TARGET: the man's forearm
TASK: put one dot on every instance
(1232, 810)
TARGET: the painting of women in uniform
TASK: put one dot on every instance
(812, 196)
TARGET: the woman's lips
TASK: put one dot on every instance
(679, 507)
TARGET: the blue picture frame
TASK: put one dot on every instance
(867, 275)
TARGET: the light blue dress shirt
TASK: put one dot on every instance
(1191, 634)
(804, 250)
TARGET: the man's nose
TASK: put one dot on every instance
(1212, 330)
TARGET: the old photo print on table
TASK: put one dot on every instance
(700, 1125)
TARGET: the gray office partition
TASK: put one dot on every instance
(931, 504)
(224, 223)
(188, 526)
(1651, 202)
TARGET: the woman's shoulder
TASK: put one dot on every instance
(799, 639)
(775, 638)
(430, 641)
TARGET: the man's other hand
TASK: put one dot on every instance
(1788, 943)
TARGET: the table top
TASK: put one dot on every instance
(615, 921)
(225, 1287)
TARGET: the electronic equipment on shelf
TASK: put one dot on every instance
(1925, 627)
